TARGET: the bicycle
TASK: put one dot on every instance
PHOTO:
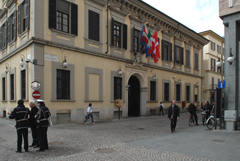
(203, 116)
(191, 120)
(212, 122)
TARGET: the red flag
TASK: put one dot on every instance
(155, 47)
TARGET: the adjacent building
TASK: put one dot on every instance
(212, 52)
(229, 12)
(83, 51)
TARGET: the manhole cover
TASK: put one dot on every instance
(140, 128)
(54, 142)
(105, 150)
(220, 141)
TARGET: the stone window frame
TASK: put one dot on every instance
(149, 89)
(163, 88)
(21, 68)
(187, 84)
(115, 74)
(194, 86)
(12, 71)
(4, 75)
(71, 68)
(90, 70)
(178, 83)
(98, 8)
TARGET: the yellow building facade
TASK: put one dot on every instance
(77, 49)
(213, 52)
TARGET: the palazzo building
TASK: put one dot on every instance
(88, 51)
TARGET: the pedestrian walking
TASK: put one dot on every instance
(161, 107)
(89, 113)
(33, 123)
(173, 115)
(42, 117)
(192, 110)
(20, 114)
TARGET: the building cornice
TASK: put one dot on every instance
(71, 48)
(161, 20)
(213, 34)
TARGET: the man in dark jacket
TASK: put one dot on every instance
(208, 109)
(192, 110)
(20, 114)
(42, 117)
(173, 115)
(33, 123)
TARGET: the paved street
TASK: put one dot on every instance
(141, 138)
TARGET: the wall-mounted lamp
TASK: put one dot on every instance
(180, 82)
(197, 84)
(120, 71)
(22, 62)
(65, 64)
(219, 63)
(231, 58)
(174, 77)
(155, 77)
(7, 66)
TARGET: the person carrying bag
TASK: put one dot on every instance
(89, 113)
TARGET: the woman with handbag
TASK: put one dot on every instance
(89, 113)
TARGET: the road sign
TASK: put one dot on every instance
(221, 84)
(36, 94)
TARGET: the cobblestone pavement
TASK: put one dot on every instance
(110, 140)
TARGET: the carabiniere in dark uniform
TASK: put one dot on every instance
(42, 117)
(20, 114)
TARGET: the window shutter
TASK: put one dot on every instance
(124, 36)
(214, 64)
(163, 45)
(74, 19)
(211, 63)
(112, 33)
(9, 29)
(52, 14)
(1, 38)
(175, 53)
(133, 36)
(15, 24)
(6, 33)
(170, 51)
(27, 14)
(182, 55)
(93, 24)
(19, 19)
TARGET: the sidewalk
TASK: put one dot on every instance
(138, 138)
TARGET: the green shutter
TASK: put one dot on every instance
(74, 19)
(19, 19)
(52, 14)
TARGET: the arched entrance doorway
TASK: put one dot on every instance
(134, 97)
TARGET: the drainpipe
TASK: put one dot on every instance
(107, 28)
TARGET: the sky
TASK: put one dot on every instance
(198, 15)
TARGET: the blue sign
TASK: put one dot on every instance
(221, 84)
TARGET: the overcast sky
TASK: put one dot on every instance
(198, 15)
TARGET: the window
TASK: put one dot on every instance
(187, 58)
(3, 89)
(12, 24)
(219, 49)
(166, 50)
(188, 93)
(196, 98)
(93, 24)
(63, 84)
(62, 21)
(178, 92)
(63, 16)
(178, 55)
(23, 16)
(136, 37)
(196, 61)
(23, 84)
(213, 62)
(12, 87)
(117, 88)
(119, 34)
(213, 46)
(166, 91)
(152, 90)
(3, 35)
(219, 69)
